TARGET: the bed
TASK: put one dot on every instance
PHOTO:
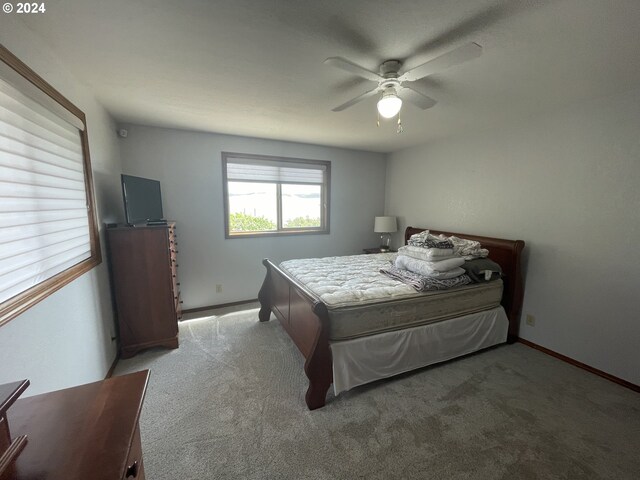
(338, 339)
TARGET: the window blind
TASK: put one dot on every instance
(44, 217)
(274, 171)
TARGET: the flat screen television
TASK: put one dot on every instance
(142, 199)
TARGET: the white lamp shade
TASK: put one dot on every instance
(389, 106)
(385, 225)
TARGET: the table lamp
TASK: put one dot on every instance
(385, 226)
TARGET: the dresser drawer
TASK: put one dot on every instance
(134, 468)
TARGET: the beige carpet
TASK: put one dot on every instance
(229, 403)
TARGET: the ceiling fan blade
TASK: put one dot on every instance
(444, 61)
(344, 64)
(418, 99)
(353, 101)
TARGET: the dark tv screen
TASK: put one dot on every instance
(142, 199)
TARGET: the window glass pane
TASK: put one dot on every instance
(274, 195)
(301, 206)
(253, 207)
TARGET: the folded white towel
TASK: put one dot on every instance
(427, 269)
(438, 266)
(445, 264)
(428, 254)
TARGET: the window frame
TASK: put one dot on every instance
(18, 304)
(227, 157)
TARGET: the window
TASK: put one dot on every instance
(48, 230)
(274, 196)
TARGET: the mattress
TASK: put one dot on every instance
(361, 301)
(348, 280)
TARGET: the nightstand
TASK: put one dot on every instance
(376, 250)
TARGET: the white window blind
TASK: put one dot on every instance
(274, 171)
(44, 217)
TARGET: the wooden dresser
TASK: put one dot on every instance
(145, 284)
(85, 432)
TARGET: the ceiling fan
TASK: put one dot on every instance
(393, 85)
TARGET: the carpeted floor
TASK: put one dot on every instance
(229, 403)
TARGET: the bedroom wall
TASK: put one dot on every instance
(188, 165)
(566, 183)
(65, 340)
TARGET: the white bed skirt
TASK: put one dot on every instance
(366, 359)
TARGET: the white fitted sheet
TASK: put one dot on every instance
(366, 359)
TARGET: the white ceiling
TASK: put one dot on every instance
(255, 67)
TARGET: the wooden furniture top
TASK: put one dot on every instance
(10, 446)
(124, 226)
(9, 393)
(79, 432)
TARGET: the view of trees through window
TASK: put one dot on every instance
(253, 206)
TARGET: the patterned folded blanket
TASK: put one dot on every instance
(426, 240)
(422, 283)
(436, 245)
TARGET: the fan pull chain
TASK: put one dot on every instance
(378, 122)
(400, 129)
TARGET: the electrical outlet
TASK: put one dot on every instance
(531, 320)
(218, 288)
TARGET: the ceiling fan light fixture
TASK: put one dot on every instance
(390, 104)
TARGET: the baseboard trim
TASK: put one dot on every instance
(220, 305)
(584, 366)
(113, 366)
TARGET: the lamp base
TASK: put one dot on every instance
(385, 241)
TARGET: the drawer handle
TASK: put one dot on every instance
(132, 470)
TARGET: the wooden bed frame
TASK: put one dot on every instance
(305, 317)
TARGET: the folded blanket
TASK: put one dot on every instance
(482, 270)
(444, 269)
(428, 254)
(422, 283)
(426, 240)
